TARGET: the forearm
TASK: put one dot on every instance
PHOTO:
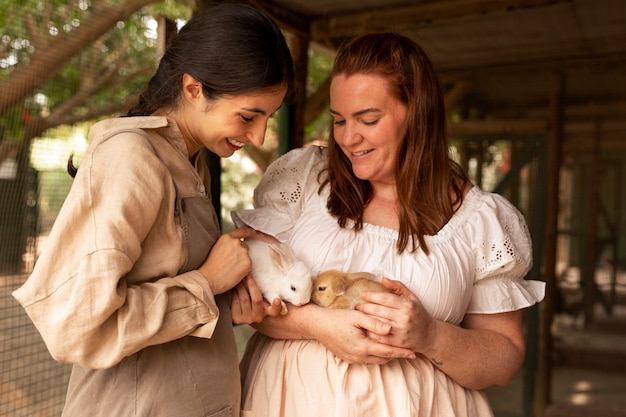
(479, 357)
(294, 325)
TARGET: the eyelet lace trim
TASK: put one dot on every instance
(495, 254)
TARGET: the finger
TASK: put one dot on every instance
(238, 310)
(375, 360)
(382, 353)
(242, 233)
(235, 303)
(376, 326)
(397, 287)
(392, 352)
(273, 309)
(377, 309)
(243, 299)
(253, 289)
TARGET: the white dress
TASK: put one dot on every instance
(477, 264)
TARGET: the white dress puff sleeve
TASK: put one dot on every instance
(503, 249)
(284, 189)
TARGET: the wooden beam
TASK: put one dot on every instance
(448, 75)
(578, 136)
(498, 127)
(285, 18)
(608, 110)
(387, 18)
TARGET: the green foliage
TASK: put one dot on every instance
(100, 80)
(320, 66)
(239, 178)
(11, 126)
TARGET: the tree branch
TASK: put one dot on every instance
(47, 61)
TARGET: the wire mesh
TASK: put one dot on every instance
(31, 382)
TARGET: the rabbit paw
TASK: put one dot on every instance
(283, 308)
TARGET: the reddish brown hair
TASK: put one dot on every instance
(429, 183)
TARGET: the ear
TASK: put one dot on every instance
(339, 287)
(192, 88)
(277, 257)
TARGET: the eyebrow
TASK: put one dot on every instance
(360, 112)
(254, 110)
(260, 111)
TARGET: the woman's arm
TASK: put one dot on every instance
(343, 332)
(488, 349)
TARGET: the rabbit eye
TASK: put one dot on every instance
(293, 288)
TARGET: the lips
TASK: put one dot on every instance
(361, 153)
(235, 143)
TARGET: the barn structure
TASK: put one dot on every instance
(547, 77)
(535, 92)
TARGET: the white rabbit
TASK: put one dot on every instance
(278, 273)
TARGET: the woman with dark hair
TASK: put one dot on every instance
(386, 198)
(133, 285)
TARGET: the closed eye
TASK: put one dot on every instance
(245, 119)
(321, 288)
(293, 288)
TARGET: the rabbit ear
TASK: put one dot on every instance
(279, 257)
(339, 286)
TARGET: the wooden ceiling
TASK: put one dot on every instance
(500, 60)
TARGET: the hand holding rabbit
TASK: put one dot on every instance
(248, 305)
(346, 333)
(412, 327)
(227, 263)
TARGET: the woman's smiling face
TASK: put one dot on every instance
(233, 122)
(368, 125)
(226, 124)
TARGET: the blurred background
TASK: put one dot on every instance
(536, 100)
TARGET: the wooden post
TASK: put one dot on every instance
(588, 274)
(291, 132)
(544, 371)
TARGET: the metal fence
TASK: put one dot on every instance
(31, 383)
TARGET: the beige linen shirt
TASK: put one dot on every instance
(110, 281)
(106, 284)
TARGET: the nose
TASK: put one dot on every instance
(256, 135)
(349, 135)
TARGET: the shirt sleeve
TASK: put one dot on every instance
(503, 257)
(106, 284)
(282, 192)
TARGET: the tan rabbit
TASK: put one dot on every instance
(337, 289)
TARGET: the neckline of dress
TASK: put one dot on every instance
(459, 217)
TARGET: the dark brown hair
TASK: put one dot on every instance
(231, 49)
(429, 183)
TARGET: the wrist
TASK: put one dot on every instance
(432, 349)
(308, 329)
